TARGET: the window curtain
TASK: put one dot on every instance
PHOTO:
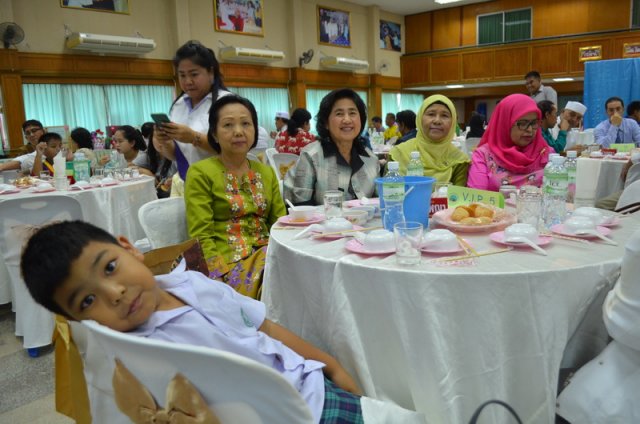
(94, 106)
(134, 104)
(267, 101)
(517, 25)
(395, 102)
(490, 29)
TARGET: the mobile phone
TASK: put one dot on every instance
(160, 118)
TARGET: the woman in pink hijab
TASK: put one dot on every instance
(512, 150)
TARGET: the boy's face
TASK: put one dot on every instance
(110, 284)
(53, 147)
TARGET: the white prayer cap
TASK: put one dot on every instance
(284, 115)
(576, 107)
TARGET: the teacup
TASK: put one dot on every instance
(301, 213)
(337, 224)
(576, 224)
(527, 231)
(440, 239)
(356, 217)
(370, 209)
(379, 241)
(595, 214)
(44, 186)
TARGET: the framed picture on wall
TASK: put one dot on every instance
(239, 16)
(390, 36)
(334, 27)
(631, 50)
(113, 6)
(590, 53)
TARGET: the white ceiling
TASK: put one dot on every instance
(411, 7)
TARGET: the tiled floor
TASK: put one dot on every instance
(27, 383)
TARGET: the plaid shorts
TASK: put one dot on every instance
(340, 407)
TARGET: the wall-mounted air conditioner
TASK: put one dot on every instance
(99, 43)
(343, 63)
(241, 54)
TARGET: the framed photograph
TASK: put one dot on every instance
(631, 50)
(590, 53)
(390, 36)
(113, 6)
(239, 16)
(334, 27)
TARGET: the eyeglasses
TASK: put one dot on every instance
(32, 132)
(523, 125)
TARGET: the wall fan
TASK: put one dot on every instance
(305, 58)
(11, 34)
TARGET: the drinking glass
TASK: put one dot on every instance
(529, 206)
(408, 236)
(61, 183)
(98, 175)
(333, 204)
(45, 176)
(510, 193)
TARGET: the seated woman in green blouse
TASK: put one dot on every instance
(436, 125)
(232, 201)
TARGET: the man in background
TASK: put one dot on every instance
(376, 122)
(282, 120)
(633, 111)
(392, 128)
(616, 129)
(32, 130)
(537, 91)
(406, 120)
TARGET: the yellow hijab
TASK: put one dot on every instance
(438, 158)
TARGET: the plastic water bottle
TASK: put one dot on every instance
(81, 167)
(555, 192)
(415, 167)
(393, 196)
(571, 164)
(546, 168)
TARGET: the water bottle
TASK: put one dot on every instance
(393, 196)
(415, 167)
(571, 164)
(555, 192)
(544, 175)
(81, 168)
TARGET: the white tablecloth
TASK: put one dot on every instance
(113, 208)
(598, 178)
(442, 340)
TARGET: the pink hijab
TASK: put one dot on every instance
(519, 160)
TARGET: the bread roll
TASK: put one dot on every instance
(460, 213)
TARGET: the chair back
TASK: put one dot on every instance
(164, 221)
(629, 200)
(19, 217)
(270, 151)
(282, 162)
(258, 154)
(470, 144)
(236, 389)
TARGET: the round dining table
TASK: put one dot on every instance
(113, 208)
(443, 337)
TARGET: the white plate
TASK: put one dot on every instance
(560, 229)
(498, 237)
(287, 220)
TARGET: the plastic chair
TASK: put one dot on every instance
(258, 154)
(629, 200)
(19, 216)
(237, 389)
(164, 221)
(269, 152)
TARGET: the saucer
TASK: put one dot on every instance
(434, 250)
(498, 237)
(358, 202)
(614, 221)
(356, 247)
(336, 236)
(287, 220)
(9, 191)
(43, 190)
(560, 229)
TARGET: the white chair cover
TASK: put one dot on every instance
(287, 160)
(164, 221)
(270, 152)
(238, 389)
(629, 196)
(19, 215)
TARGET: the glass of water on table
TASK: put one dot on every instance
(408, 237)
(333, 203)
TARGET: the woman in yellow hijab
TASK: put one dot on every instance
(436, 125)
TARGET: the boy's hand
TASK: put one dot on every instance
(342, 379)
(40, 147)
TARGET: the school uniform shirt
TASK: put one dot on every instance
(216, 316)
(195, 117)
(26, 162)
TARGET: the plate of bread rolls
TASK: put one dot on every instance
(475, 217)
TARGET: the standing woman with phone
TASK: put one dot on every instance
(184, 139)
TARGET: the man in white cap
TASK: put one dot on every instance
(282, 120)
(571, 117)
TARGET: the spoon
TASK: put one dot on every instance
(597, 234)
(525, 240)
(289, 203)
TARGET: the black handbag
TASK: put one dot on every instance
(476, 414)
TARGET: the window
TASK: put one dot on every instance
(635, 14)
(94, 106)
(504, 27)
(395, 102)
